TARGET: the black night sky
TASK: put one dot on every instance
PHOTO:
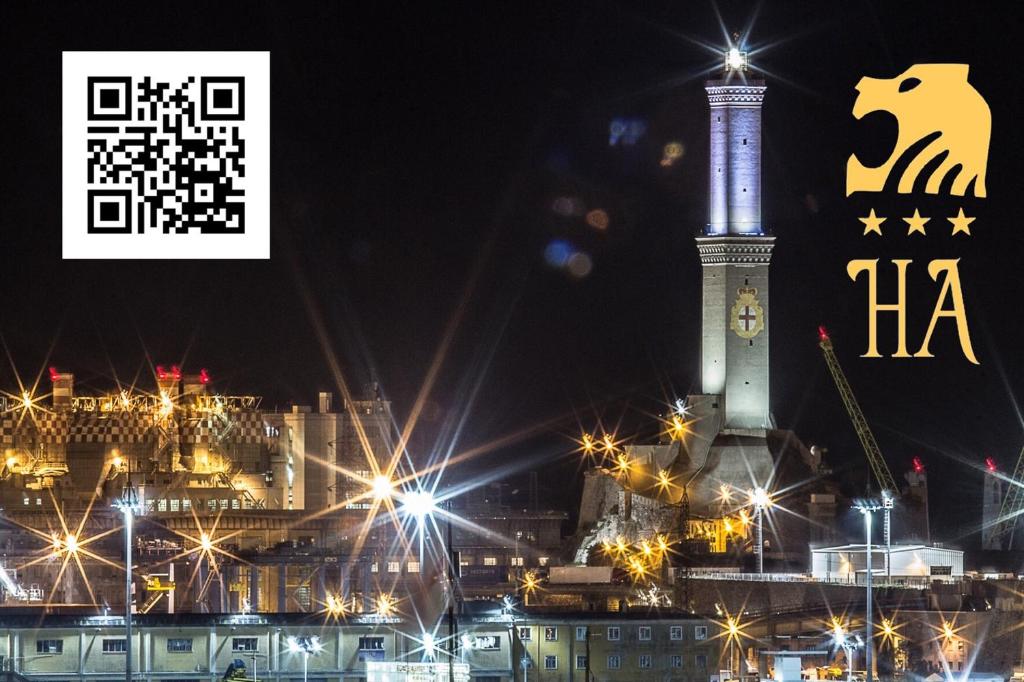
(417, 152)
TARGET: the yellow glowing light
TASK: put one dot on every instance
(382, 487)
(947, 630)
(837, 629)
(733, 626)
(664, 480)
(166, 406)
(385, 605)
(728, 525)
(623, 464)
(588, 444)
(55, 543)
(529, 582)
(12, 461)
(609, 443)
(26, 400)
(205, 542)
(335, 605)
(646, 548)
(677, 427)
(117, 461)
(744, 518)
(662, 543)
(71, 542)
(725, 492)
(620, 545)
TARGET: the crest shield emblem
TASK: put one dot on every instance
(747, 318)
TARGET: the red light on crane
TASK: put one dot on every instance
(918, 465)
(176, 372)
(990, 464)
(161, 373)
(204, 376)
(54, 374)
(822, 333)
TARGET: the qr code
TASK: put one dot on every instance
(166, 146)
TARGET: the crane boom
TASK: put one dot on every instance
(867, 439)
(1012, 506)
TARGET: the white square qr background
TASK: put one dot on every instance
(172, 68)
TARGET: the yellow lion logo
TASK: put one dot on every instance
(927, 99)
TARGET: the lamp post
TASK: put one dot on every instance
(305, 646)
(760, 498)
(867, 508)
(127, 506)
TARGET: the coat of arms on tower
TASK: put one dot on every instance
(747, 318)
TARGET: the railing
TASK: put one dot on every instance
(879, 581)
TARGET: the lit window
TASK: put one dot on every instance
(371, 644)
(39, 501)
(490, 561)
(179, 646)
(413, 567)
(223, 504)
(211, 505)
(49, 646)
(644, 633)
(161, 505)
(550, 634)
(115, 646)
(543, 561)
(581, 662)
(675, 633)
(676, 661)
(700, 632)
(614, 662)
(394, 567)
(613, 634)
(581, 633)
(517, 561)
(175, 505)
(374, 568)
(186, 504)
(25, 500)
(244, 644)
(235, 504)
(645, 661)
(525, 633)
(551, 662)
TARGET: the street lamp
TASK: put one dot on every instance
(867, 508)
(127, 505)
(305, 645)
(760, 499)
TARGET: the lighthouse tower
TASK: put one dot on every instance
(735, 252)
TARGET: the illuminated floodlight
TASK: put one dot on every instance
(205, 542)
(419, 504)
(838, 632)
(735, 60)
(760, 498)
(293, 645)
(947, 630)
(428, 645)
(71, 542)
(733, 626)
(12, 461)
(382, 487)
(385, 605)
(26, 400)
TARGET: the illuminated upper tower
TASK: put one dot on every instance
(735, 252)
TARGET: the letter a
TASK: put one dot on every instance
(950, 284)
(853, 269)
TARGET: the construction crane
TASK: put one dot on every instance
(1012, 506)
(879, 468)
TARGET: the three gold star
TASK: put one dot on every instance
(915, 223)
